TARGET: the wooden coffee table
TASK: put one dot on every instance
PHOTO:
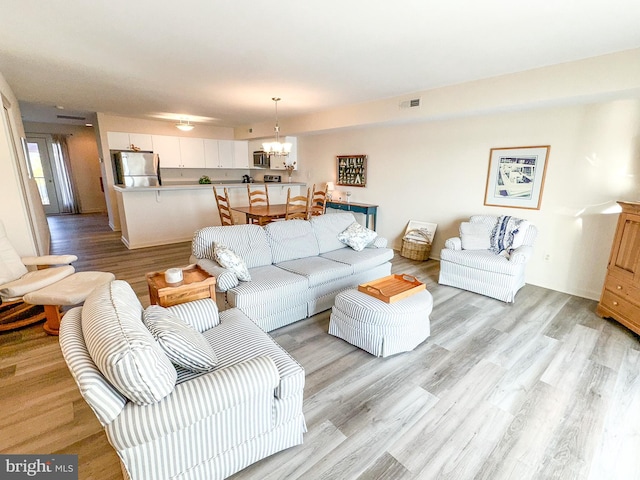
(195, 285)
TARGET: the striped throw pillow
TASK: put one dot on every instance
(121, 346)
(185, 346)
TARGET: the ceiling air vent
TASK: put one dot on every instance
(71, 117)
(413, 103)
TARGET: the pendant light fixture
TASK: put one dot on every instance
(185, 127)
(277, 149)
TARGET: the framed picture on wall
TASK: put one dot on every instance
(352, 170)
(516, 176)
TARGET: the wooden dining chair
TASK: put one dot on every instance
(297, 206)
(258, 197)
(224, 207)
(318, 203)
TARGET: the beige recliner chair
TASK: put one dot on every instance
(47, 280)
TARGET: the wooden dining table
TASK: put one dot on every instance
(262, 214)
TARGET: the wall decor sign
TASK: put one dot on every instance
(516, 176)
(352, 170)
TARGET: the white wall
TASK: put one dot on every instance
(436, 172)
(430, 163)
(84, 158)
(20, 207)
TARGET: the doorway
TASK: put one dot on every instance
(42, 171)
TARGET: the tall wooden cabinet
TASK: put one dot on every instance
(620, 298)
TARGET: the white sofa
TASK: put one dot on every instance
(166, 421)
(480, 270)
(297, 267)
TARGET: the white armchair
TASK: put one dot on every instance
(166, 420)
(47, 280)
(467, 261)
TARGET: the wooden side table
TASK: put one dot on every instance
(195, 285)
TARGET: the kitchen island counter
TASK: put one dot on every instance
(197, 186)
(165, 214)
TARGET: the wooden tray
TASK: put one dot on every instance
(392, 288)
(195, 284)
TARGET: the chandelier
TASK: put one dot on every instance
(276, 148)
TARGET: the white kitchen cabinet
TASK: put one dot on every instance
(213, 157)
(126, 141)
(225, 152)
(241, 155)
(233, 154)
(291, 159)
(168, 149)
(192, 152)
(142, 141)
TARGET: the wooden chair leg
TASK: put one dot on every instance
(52, 325)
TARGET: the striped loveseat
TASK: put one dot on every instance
(297, 267)
(467, 262)
(165, 421)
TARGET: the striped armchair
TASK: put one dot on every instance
(165, 421)
(467, 262)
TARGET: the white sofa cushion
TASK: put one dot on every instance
(475, 236)
(121, 346)
(183, 345)
(327, 227)
(271, 286)
(363, 260)
(291, 240)
(484, 260)
(238, 339)
(317, 270)
(248, 241)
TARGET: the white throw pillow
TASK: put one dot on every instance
(518, 235)
(474, 236)
(183, 345)
(227, 258)
(357, 236)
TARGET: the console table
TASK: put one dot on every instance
(368, 210)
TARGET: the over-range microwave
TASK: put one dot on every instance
(260, 159)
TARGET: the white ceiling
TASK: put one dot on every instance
(221, 61)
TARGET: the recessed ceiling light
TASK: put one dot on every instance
(88, 124)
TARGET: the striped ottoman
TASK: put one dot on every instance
(381, 328)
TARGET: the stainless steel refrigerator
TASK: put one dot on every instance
(136, 169)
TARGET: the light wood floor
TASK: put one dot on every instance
(540, 389)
